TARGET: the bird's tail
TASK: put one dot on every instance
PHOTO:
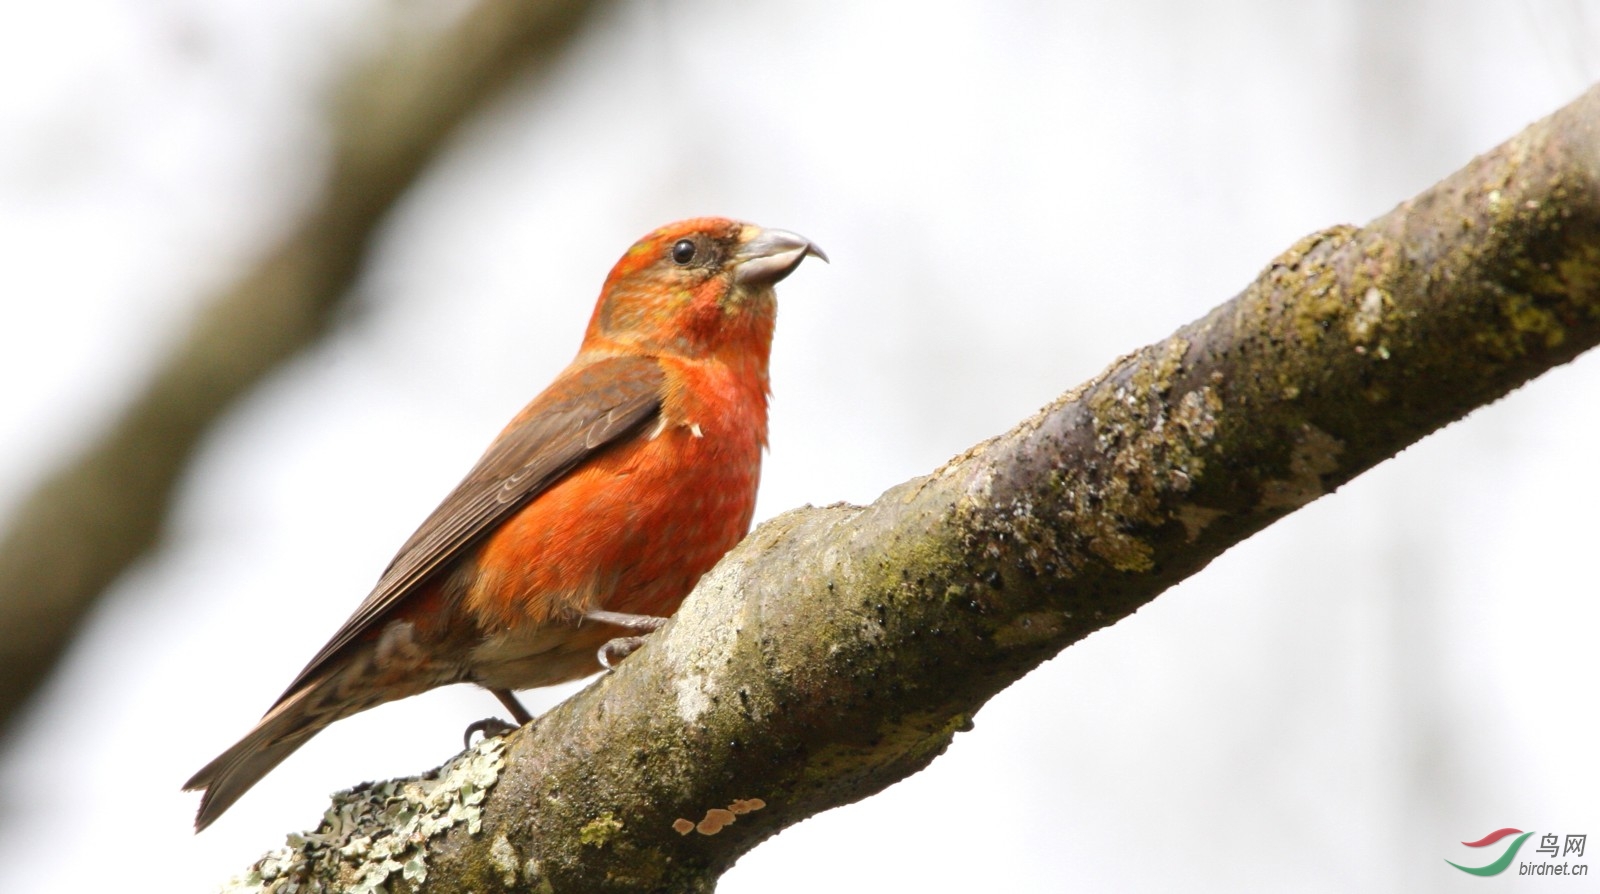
(291, 723)
(361, 676)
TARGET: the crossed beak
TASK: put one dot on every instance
(766, 256)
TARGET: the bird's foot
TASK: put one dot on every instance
(618, 649)
(623, 646)
(491, 727)
(641, 623)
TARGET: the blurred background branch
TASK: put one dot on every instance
(94, 516)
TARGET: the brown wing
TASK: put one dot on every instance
(583, 412)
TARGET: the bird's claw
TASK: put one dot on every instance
(491, 727)
(623, 646)
(618, 649)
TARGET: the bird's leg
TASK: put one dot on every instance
(494, 726)
(623, 646)
(518, 712)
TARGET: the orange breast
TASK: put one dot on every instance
(633, 528)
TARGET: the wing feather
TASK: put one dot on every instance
(587, 410)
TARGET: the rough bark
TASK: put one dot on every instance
(89, 520)
(839, 649)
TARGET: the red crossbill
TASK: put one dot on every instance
(587, 520)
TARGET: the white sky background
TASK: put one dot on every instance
(1013, 195)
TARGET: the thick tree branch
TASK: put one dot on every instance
(93, 517)
(838, 650)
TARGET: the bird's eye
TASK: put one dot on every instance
(683, 252)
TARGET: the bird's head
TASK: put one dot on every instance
(696, 288)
